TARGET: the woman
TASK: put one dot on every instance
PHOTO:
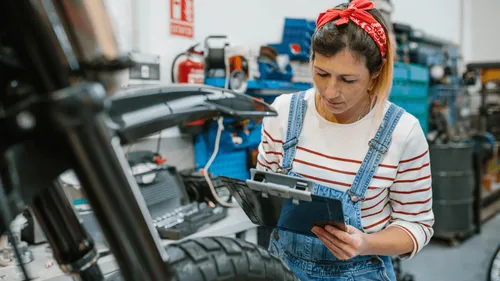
(333, 134)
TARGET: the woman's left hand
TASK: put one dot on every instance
(344, 245)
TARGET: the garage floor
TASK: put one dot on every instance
(468, 261)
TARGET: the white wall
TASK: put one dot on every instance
(482, 30)
(439, 18)
(256, 22)
(245, 22)
(476, 30)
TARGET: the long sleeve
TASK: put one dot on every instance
(411, 193)
(270, 149)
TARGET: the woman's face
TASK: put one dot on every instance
(342, 81)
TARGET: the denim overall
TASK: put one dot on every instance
(307, 256)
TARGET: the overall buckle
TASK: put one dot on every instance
(378, 146)
(284, 171)
(355, 197)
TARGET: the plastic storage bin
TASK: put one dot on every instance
(227, 163)
(410, 90)
(232, 164)
(232, 158)
(411, 73)
(297, 35)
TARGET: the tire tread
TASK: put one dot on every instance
(225, 259)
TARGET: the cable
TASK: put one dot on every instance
(5, 212)
(220, 128)
(18, 254)
(158, 144)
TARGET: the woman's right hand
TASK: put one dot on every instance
(344, 245)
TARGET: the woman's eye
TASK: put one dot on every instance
(348, 81)
(323, 74)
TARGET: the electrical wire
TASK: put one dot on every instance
(5, 213)
(220, 128)
(158, 144)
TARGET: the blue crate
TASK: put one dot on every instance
(400, 72)
(280, 48)
(205, 141)
(408, 90)
(418, 73)
(300, 23)
(297, 35)
(419, 109)
(418, 91)
(412, 106)
(270, 71)
(296, 31)
(305, 45)
(399, 90)
(411, 73)
(285, 48)
(232, 163)
(263, 84)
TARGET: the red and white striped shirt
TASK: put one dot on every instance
(330, 154)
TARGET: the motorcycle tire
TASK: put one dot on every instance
(223, 259)
(494, 268)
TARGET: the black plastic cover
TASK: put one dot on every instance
(182, 103)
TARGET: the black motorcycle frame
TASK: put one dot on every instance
(56, 115)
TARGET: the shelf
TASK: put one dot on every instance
(490, 210)
(263, 84)
(488, 198)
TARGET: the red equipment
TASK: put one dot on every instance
(192, 69)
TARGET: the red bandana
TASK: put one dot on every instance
(357, 12)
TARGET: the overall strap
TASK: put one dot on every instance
(296, 115)
(377, 146)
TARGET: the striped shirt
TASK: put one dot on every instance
(330, 154)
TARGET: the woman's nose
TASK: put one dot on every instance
(332, 90)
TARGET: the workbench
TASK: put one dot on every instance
(236, 224)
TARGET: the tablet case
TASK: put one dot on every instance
(284, 202)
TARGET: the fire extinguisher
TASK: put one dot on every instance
(192, 69)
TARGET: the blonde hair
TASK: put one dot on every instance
(383, 84)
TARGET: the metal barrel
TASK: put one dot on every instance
(453, 188)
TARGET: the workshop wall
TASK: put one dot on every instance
(144, 24)
(256, 22)
(438, 18)
(481, 38)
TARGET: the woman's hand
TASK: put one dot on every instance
(344, 245)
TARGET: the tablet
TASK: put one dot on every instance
(284, 202)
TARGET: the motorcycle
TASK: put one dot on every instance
(494, 268)
(61, 109)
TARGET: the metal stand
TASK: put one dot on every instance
(485, 73)
(59, 221)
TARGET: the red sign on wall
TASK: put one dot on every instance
(182, 18)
